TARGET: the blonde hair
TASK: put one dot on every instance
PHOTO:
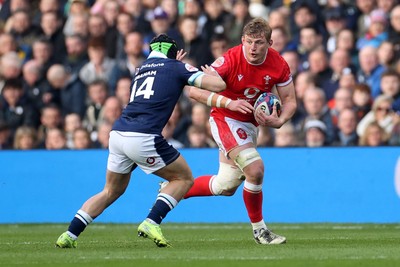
(257, 27)
(24, 131)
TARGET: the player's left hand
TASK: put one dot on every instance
(209, 70)
(180, 55)
(272, 120)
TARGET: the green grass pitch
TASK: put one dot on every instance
(205, 245)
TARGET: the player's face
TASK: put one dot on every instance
(255, 48)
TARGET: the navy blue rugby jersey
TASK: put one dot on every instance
(155, 90)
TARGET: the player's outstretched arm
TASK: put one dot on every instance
(216, 100)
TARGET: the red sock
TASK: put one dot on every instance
(200, 188)
(253, 202)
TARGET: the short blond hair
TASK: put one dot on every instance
(258, 27)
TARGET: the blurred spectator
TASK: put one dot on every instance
(335, 21)
(5, 136)
(171, 8)
(51, 27)
(68, 90)
(342, 100)
(10, 67)
(72, 122)
(303, 81)
(15, 109)
(381, 113)
(219, 44)
(364, 7)
(292, 58)
(374, 135)
(81, 139)
(241, 15)
(125, 25)
(97, 96)
(132, 60)
(194, 44)
(79, 25)
(195, 9)
(217, 19)
(394, 30)
(123, 90)
(346, 41)
(340, 64)
(112, 109)
(390, 86)
(55, 139)
(33, 84)
(285, 136)
(346, 134)
(99, 66)
(324, 76)
(23, 31)
(160, 24)
(310, 40)
(362, 100)
(50, 118)
(135, 8)
(9, 7)
(386, 5)
(386, 54)
(7, 43)
(103, 134)
(76, 56)
(197, 136)
(314, 133)
(278, 19)
(303, 15)
(46, 6)
(376, 32)
(347, 80)
(370, 70)
(317, 109)
(25, 138)
(75, 8)
(43, 55)
(280, 38)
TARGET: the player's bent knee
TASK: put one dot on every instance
(246, 157)
(228, 179)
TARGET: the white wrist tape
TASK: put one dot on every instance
(220, 97)
(209, 99)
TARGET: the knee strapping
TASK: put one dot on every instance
(246, 157)
(228, 177)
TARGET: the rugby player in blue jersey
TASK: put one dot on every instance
(136, 139)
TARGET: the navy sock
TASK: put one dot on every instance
(76, 226)
(79, 223)
(159, 211)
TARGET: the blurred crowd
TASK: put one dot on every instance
(66, 67)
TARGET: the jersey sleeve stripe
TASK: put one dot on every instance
(194, 77)
(285, 83)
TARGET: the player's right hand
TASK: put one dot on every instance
(241, 106)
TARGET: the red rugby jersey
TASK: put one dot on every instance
(247, 81)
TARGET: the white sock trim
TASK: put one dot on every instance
(259, 225)
(252, 187)
(169, 200)
(84, 217)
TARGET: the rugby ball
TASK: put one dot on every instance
(266, 102)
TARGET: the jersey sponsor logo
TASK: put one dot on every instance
(241, 133)
(240, 77)
(218, 62)
(152, 65)
(190, 68)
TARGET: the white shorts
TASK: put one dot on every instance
(150, 152)
(229, 133)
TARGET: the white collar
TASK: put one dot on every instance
(156, 54)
